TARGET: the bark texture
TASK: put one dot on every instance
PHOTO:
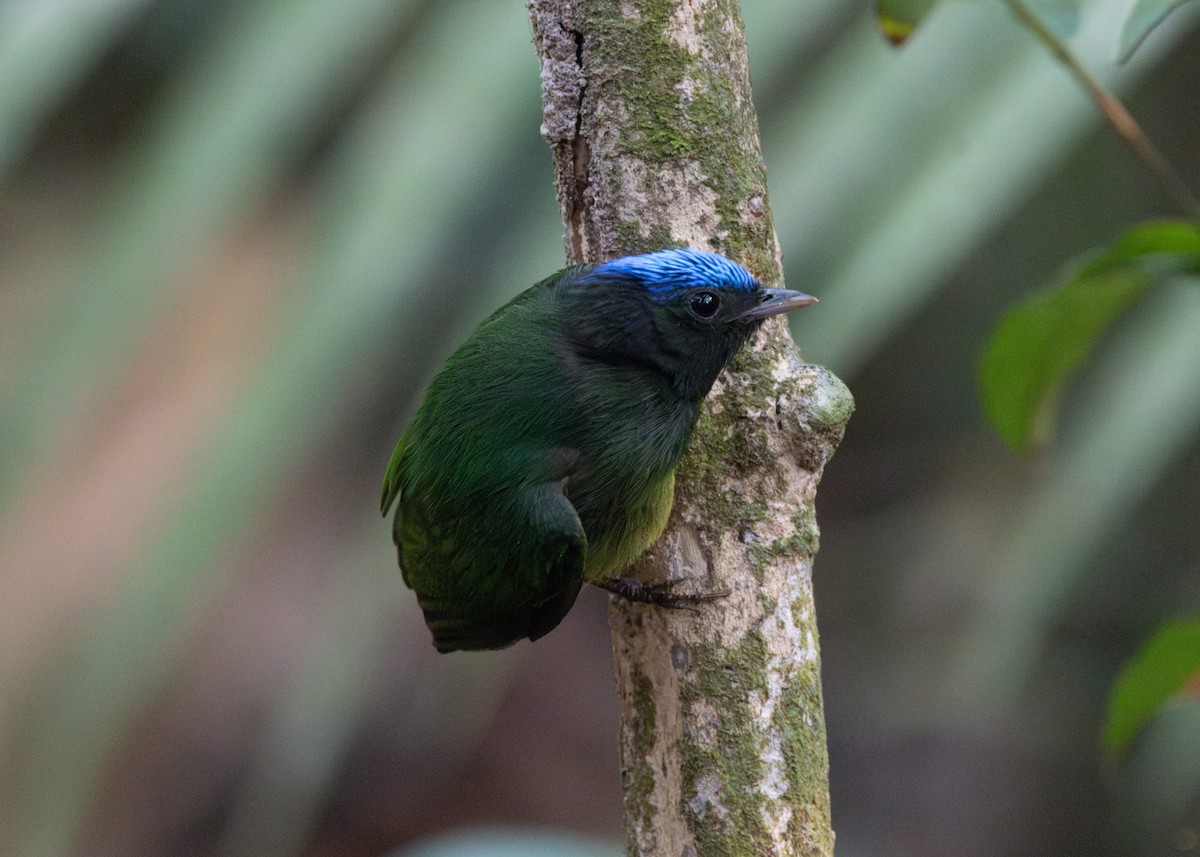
(648, 112)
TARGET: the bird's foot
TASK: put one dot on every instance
(661, 593)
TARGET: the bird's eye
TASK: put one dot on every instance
(705, 304)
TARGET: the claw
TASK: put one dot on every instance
(660, 593)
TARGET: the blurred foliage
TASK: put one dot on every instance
(1143, 17)
(1042, 340)
(236, 241)
(1167, 666)
(899, 18)
(510, 843)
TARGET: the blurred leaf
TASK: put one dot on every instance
(1061, 16)
(46, 48)
(1083, 498)
(1145, 16)
(230, 124)
(417, 139)
(898, 18)
(1158, 673)
(1041, 341)
(879, 220)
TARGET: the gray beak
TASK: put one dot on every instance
(777, 302)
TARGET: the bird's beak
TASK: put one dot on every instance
(776, 302)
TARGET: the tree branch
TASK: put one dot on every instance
(648, 112)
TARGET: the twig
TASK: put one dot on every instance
(1115, 112)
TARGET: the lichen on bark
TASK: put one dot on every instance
(650, 120)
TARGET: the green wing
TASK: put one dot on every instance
(394, 475)
(395, 470)
(497, 575)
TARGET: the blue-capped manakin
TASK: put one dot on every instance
(544, 453)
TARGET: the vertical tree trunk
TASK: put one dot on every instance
(655, 142)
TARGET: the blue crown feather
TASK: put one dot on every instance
(667, 273)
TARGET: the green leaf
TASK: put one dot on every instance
(1145, 16)
(898, 18)
(1161, 671)
(1041, 341)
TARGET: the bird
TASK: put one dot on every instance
(543, 453)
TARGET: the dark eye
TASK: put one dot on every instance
(705, 304)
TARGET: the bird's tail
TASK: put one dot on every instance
(457, 628)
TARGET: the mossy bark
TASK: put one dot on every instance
(655, 142)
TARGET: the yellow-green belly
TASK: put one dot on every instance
(614, 549)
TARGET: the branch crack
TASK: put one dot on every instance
(580, 156)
